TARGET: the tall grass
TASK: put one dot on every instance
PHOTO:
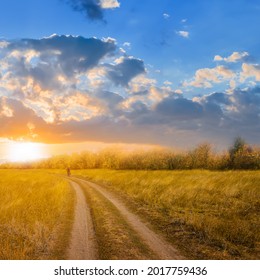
(36, 211)
(212, 214)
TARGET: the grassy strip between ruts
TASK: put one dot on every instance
(207, 215)
(36, 215)
(115, 238)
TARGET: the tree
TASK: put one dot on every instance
(241, 155)
(238, 146)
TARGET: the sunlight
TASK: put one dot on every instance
(24, 151)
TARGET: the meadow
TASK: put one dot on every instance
(206, 214)
(206, 204)
(36, 214)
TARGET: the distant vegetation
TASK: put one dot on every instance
(239, 156)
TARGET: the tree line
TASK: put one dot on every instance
(239, 156)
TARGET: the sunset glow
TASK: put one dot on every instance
(175, 74)
(25, 151)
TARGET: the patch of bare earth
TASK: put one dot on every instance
(83, 243)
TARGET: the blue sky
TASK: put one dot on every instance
(172, 73)
(215, 27)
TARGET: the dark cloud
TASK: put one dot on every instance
(103, 128)
(93, 9)
(71, 54)
(90, 8)
(167, 123)
(247, 107)
(67, 89)
(180, 108)
(123, 72)
(218, 98)
(141, 93)
(111, 101)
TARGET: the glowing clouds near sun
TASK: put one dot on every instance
(65, 89)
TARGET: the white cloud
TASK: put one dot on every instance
(5, 110)
(3, 44)
(232, 84)
(250, 70)
(141, 83)
(108, 40)
(218, 58)
(234, 57)
(122, 50)
(204, 77)
(184, 34)
(109, 4)
(166, 16)
(167, 83)
(178, 91)
(127, 44)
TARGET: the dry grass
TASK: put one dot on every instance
(116, 240)
(209, 215)
(36, 212)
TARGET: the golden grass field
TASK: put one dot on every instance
(36, 213)
(207, 214)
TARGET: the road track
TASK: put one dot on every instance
(83, 243)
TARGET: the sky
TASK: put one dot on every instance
(170, 72)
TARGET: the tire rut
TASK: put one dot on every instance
(156, 243)
(82, 244)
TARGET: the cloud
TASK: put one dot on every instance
(206, 76)
(140, 84)
(179, 108)
(217, 98)
(109, 4)
(3, 44)
(44, 73)
(166, 16)
(184, 34)
(250, 70)
(125, 69)
(72, 54)
(19, 123)
(76, 89)
(93, 9)
(234, 57)
(173, 120)
(5, 109)
(127, 44)
(167, 83)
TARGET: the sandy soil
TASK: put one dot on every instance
(83, 243)
(157, 244)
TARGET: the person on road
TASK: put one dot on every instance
(68, 171)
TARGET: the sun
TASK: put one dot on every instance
(25, 151)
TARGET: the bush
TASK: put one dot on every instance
(239, 156)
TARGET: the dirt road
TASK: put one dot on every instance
(161, 248)
(83, 243)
